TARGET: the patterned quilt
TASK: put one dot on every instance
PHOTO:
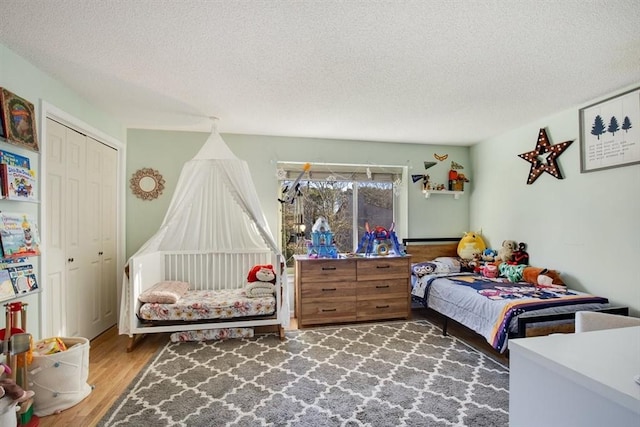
(489, 305)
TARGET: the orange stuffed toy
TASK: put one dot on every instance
(542, 276)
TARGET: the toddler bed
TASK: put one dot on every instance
(496, 310)
(180, 291)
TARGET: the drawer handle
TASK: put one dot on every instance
(382, 306)
(328, 268)
(381, 286)
(328, 309)
(383, 266)
(329, 289)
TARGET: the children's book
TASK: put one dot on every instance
(20, 183)
(6, 285)
(23, 278)
(13, 159)
(19, 235)
(4, 185)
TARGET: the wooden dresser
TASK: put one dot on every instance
(352, 289)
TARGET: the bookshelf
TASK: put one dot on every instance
(19, 235)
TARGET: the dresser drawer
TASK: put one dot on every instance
(328, 290)
(327, 270)
(383, 289)
(382, 268)
(383, 309)
(325, 311)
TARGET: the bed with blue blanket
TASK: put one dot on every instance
(496, 308)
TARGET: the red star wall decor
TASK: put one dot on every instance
(544, 149)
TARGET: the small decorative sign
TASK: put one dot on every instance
(610, 133)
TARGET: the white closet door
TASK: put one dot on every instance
(66, 170)
(100, 306)
(55, 286)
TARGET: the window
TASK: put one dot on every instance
(348, 196)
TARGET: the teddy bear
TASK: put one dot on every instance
(505, 253)
(261, 281)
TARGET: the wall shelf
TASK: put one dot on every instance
(456, 194)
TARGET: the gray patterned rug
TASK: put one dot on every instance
(384, 374)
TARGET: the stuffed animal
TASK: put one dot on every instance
(521, 256)
(489, 255)
(505, 253)
(476, 262)
(489, 270)
(542, 276)
(470, 244)
(262, 273)
(9, 388)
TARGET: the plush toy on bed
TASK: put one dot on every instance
(521, 256)
(471, 243)
(505, 253)
(261, 281)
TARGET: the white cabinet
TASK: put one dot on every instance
(584, 379)
(80, 235)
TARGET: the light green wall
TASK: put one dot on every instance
(22, 78)
(439, 216)
(165, 152)
(585, 226)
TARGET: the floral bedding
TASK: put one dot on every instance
(209, 304)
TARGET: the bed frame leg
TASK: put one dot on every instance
(281, 333)
(444, 326)
(133, 340)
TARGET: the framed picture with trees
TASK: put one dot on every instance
(610, 132)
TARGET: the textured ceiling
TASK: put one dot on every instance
(441, 72)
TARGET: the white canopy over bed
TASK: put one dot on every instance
(214, 208)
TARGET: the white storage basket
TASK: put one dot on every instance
(59, 380)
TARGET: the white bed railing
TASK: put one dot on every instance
(213, 270)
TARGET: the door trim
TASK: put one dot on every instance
(50, 111)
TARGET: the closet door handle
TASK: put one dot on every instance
(100, 253)
(70, 259)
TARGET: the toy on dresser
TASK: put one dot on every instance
(321, 244)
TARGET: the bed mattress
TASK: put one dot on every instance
(208, 305)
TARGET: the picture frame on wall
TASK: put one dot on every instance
(610, 132)
(19, 120)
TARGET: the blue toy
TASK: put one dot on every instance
(379, 241)
(321, 244)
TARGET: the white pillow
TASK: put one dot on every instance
(168, 292)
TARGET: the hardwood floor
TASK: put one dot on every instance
(111, 368)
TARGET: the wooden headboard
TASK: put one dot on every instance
(426, 249)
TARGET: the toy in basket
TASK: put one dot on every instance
(59, 373)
